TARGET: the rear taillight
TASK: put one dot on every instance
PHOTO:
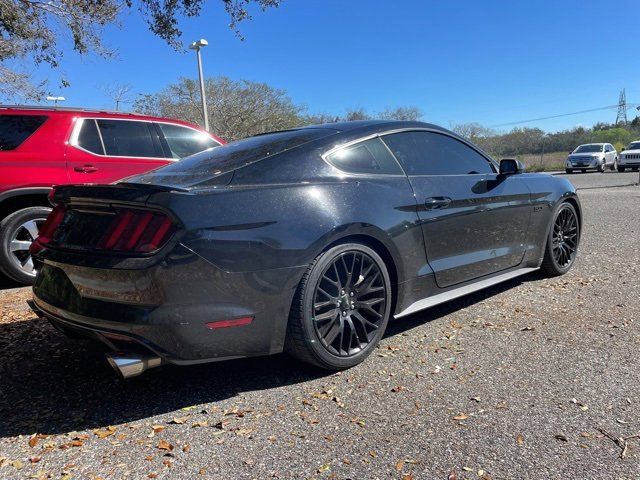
(45, 233)
(136, 231)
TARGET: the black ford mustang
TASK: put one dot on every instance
(306, 240)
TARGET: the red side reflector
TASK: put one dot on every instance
(232, 322)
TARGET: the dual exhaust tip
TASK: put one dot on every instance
(129, 365)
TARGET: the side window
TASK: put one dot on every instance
(369, 156)
(89, 138)
(124, 138)
(428, 153)
(185, 141)
(15, 129)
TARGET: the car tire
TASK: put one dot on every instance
(601, 168)
(568, 170)
(563, 239)
(18, 230)
(323, 314)
(621, 169)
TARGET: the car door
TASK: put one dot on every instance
(474, 221)
(109, 149)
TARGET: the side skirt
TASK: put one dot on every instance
(461, 291)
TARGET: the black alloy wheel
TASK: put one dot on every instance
(349, 303)
(562, 243)
(342, 308)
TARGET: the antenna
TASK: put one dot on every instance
(621, 118)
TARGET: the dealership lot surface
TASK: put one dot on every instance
(519, 381)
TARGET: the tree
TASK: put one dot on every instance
(119, 93)
(409, 113)
(236, 108)
(33, 29)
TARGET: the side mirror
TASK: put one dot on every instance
(510, 166)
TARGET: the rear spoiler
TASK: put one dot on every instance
(118, 192)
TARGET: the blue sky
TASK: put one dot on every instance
(492, 62)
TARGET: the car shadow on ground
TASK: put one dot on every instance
(51, 384)
(6, 283)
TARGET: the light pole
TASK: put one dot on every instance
(55, 100)
(197, 46)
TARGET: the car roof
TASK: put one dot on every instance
(79, 111)
(373, 126)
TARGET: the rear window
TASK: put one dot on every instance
(209, 164)
(184, 141)
(15, 129)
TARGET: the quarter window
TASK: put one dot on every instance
(89, 138)
(185, 141)
(429, 153)
(15, 129)
(124, 138)
(369, 156)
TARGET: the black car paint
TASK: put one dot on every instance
(245, 242)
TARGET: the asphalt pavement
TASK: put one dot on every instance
(534, 378)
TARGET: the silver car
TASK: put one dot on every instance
(592, 156)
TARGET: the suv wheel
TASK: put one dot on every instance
(17, 233)
(621, 169)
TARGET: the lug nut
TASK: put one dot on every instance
(351, 294)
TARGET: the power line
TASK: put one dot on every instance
(610, 107)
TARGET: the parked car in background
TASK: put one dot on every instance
(592, 156)
(42, 147)
(630, 157)
(308, 240)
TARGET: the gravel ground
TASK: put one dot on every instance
(518, 381)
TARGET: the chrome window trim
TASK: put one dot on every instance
(402, 130)
(75, 133)
(360, 174)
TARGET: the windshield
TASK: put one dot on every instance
(588, 149)
(634, 146)
(212, 163)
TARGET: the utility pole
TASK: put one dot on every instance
(621, 117)
(197, 46)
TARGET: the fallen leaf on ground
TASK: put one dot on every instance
(164, 445)
(461, 416)
(178, 420)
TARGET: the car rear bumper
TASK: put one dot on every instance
(170, 309)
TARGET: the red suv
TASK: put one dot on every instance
(42, 147)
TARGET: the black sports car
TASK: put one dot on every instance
(305, 240)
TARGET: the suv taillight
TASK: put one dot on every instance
(136, 231)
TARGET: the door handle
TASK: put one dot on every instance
(85, 169)
(433, 203)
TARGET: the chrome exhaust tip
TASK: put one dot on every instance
(132, 364)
